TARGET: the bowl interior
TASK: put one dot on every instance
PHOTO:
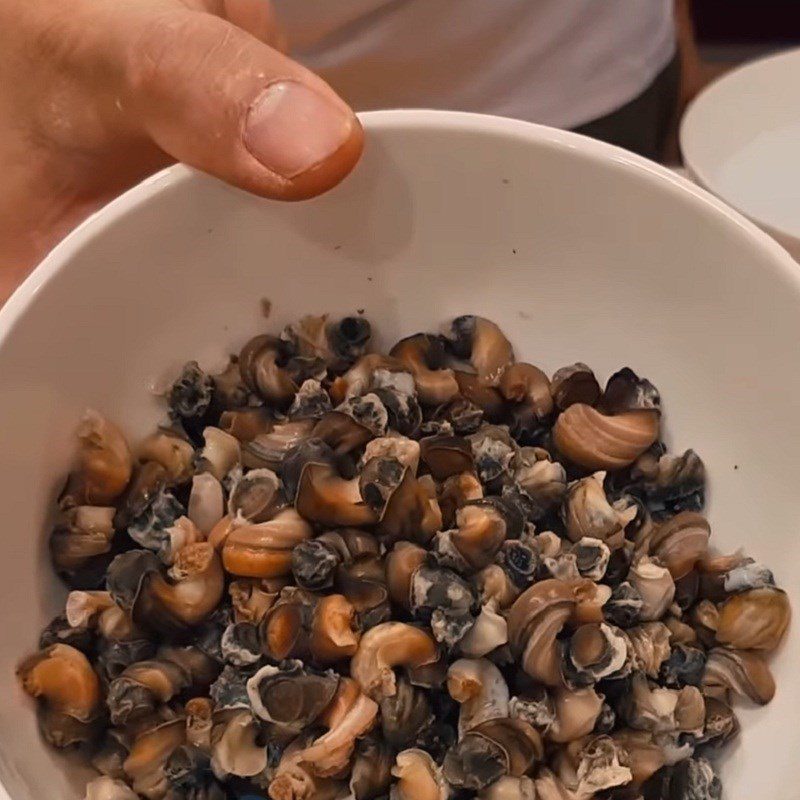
(741, 138)
(580, 252)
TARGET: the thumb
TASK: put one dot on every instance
(213, 96)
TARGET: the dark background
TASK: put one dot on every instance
(768, 22)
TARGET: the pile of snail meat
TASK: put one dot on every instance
(428, 574)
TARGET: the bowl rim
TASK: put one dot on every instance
(687, 135)
(400, 119)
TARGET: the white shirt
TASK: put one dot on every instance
(559, 62)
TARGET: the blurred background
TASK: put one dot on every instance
(729, 33)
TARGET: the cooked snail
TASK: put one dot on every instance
(658, 710)
(593, 652)
(649, 644)
(372, 768)
(386, 646)
(62, 678)
(589, 767)
(235, 746)
(587, 512)
(483, 343)
(486, 635)
(754, 620)
(655, 586)
(262, 373)
(534, 622)
(290, 696)
(171, 602)
(574, 384)
(350, 715)
(264, 549)
(405, 714)
(337, 344)
(738, 672)
(418, 777)
(106, 462)
(575, 714)
(319, 492)
(423, 356)
(267, 449)
(256, 496)
(401, 505)
(491, 750)
(353, 423)
(446, 456)
(680, 542)
(480, 688)
(81, 545)
(438, 572)
(302, 625)
(595, 440)
(482, 527)
(144, 685)
(174, 453)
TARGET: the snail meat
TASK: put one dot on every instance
(427, 573)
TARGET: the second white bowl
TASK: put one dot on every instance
(740, 138)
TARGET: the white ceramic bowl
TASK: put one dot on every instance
(580, 250)
(741, 139)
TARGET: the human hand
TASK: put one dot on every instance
(97, 94)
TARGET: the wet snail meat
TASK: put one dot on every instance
(428, 573)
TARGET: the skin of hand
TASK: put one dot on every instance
(97, 94)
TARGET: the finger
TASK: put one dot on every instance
(213, 96)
